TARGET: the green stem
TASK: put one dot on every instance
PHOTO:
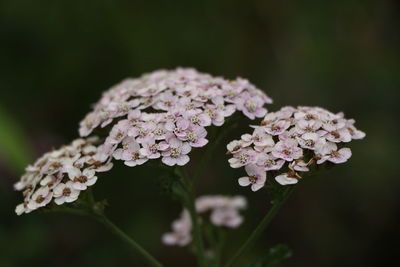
(117, 231)
(277, 204)
(92, 210)
(190, 205)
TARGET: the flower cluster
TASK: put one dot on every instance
(62, 174)
(165, 113)
(223, 212)
(290, 141)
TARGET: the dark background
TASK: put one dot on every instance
(58, 56)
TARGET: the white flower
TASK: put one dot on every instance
(284, 179)
(82, 179)
(40, 198)
(65, 193)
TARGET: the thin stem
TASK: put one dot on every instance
(190, 205)
(117, 231)
(277, 204)
(93, 210)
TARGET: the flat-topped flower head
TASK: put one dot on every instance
(289, 141)
(163, 105)
(222, 211)
(62, 174)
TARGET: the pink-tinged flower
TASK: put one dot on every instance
(334, 124)
(166, 101)
(234, 146)
(197, 117)
(82, 179)
(258, 138)
(226, 110)
(129, 144)
(299, 165)
(287, 150)
(132, 156)
(355, 133)
(251, 106)
(336, 156)
(226, 217)
(325, 149)
(118, 132)
(269, 162)
(278, 127)
(256, 177)
(65, 193)
(285, 179)
(143, 133)
(311, 140)
(289, 134)
(338, 136)
(195, 136)
(134, 117)
(243, 157)
(308, 114)
(177, 153)
(216, 115)
(152, 150)
(308, 126)
(181, 234)
(178, 127)
(189, 92)
(40, 198)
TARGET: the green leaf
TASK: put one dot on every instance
(275, 255)
(14, 147)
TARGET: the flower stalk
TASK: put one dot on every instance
(132, 243)
(189, 202)
(276, 205)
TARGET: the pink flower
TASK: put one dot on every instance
(152, 150)
(258, 138)
(197, 117)
(308, 126)
(234, 146)
(243, 157)
(299, 165)
(118, 132)
(143, 133)
(178, 127)
(226, 217)
(338, 136)
(278, 127)
(310, 141)
(256, 178)
(330, 153)
(195, 136)
(177, 153)
(269, 162)
(130, 153)
(181, 234)
(287, 150)
(251, 106)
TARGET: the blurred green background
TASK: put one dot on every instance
(58, 56)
